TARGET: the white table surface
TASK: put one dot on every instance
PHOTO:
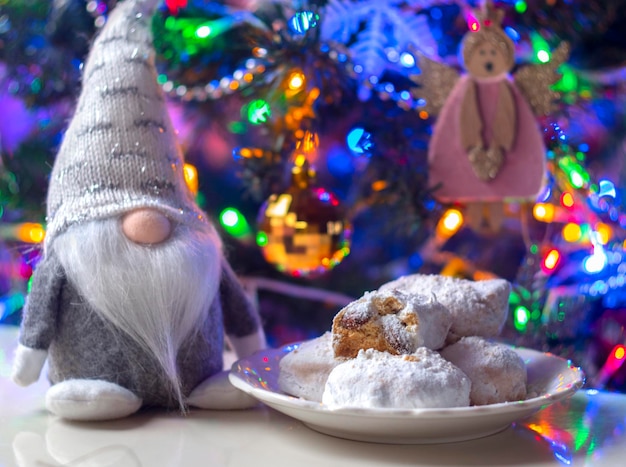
(589, 429)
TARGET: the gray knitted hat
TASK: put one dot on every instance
(120, 151)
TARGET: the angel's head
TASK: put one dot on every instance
(488, 51)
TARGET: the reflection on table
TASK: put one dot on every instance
(588, 429)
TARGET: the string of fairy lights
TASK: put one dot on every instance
(259, 111)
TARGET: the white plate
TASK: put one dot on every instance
(549, 377)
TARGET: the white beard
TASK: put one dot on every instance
(157, 294)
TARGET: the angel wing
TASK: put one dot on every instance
(435, 81)
(534, 81)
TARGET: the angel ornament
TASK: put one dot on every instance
(487, 147)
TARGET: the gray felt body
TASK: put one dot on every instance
(82, 345)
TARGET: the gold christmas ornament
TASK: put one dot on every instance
(303, 232)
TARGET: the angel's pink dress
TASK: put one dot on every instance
(523, 172)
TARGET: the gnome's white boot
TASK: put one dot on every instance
(216, 393)
(83, 399)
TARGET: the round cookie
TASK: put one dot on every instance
(380, 380)
(497, 372)
(478, 308)
(390, 321)
(303, 371)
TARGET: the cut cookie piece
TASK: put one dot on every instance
(390, 321)
(477, 308)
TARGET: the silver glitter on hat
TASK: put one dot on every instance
(120, 151)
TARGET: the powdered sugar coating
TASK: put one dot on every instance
(477, 308)
(390, 321)
(303, 371)
(380, 380)
(497, 372)
(434, 320)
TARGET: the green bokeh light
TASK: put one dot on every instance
(203, 31)
(259, 111)
(568, 81)
(521, 316)
(234, 223)
(261, 238)
(576, 173)
(540, 47)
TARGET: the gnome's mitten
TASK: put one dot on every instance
(39, 323)
(27, 365)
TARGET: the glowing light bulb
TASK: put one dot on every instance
(543, 212)
(203, 31)
(191, 177)
(472, 23)
(299, 161)
(234, 223)
(551, 261)
(543, 56)
(567, 200)
(450, 223)
(229, 217)
(379, 185)
(607, 188)
(616, 358)
(521, 317)
(540, 47)
(30, 233)
(359, 141)
(604, 233)
(577, 179)
(597, 261)
(572, 232)
(613, 363)
(453, 220)
(594, 263)
(261, 238)
(259, 111)
(407, 60)
(296, 81)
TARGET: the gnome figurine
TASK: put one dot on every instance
(133, 297)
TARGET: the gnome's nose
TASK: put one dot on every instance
(146, 226)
